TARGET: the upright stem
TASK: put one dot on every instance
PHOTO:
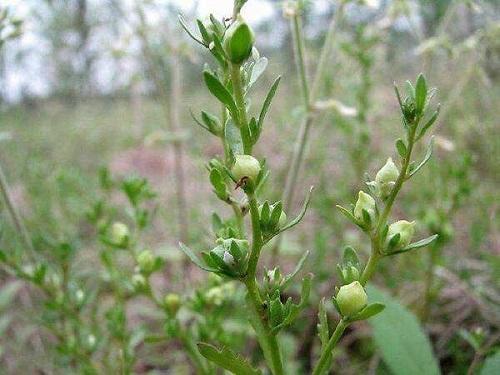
(170, 103)
(175, 98)
(14, 214)
(242, 121)
(321, 365)
(256, 237)
(309, 99)
(300, 59)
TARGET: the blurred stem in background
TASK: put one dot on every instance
(14, 214)
(309, 95)
(170, 102)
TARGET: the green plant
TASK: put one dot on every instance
(236, 256)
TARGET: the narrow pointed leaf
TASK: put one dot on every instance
(425, 160)
(267, 102)
(420, 93)
(401, 147)
(299, 217)
(227, 359)
(194, 258)
(186, 29)
(429, 123)
(417, 245)
(369, 311)
(219, 91)
(347, 214)
(298, 267)
(257, 70)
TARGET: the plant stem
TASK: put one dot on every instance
(375, 254)
(321, 365)
(309, 99)
(267, 340)
(14, 214)
(256, 237)
(242, 121)
(371, 265)
(300, 59)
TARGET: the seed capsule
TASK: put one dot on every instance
(172, 303)
(367, 203)
(238, 41)
(120, 234)
(405, 229)
(146, 261)
(351, 298)
(246, 166)
(386, 178)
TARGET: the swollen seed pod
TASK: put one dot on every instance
(388, 173)
(386, 178)
(120, 234)
(351, 298)
(238, 41)
(246, 166)
(146, 261)
(367, 203)
(405, 229)
(172, 303)
(139, 282)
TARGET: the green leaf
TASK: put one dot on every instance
(348, 214)
(298, 267)
(417, 245)
(257, 70)
(420, 93)
(220, 92)
(203, 31)
(227, 359)
(429, 123)
(401, 147)
(323, 330)
(267, 102)
(427, 156)
(298, 218)
(184, 26)
(369, 311)
(401, 340)
(396, 90)
(3, 257)
(491, 365)
(192, 256)
(198, 121)
(233, 138)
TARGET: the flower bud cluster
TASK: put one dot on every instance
(230, 257)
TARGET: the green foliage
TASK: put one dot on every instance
(402, 342)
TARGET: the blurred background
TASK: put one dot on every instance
(91, 87)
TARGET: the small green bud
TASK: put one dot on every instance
(238, 41)
(367, 203)
(172, 303)
(246, 166)
(146, 261)
(386, 178)
(120, 234)
(405, 229)
(388, 173)
(351, 298)
(139, 282)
